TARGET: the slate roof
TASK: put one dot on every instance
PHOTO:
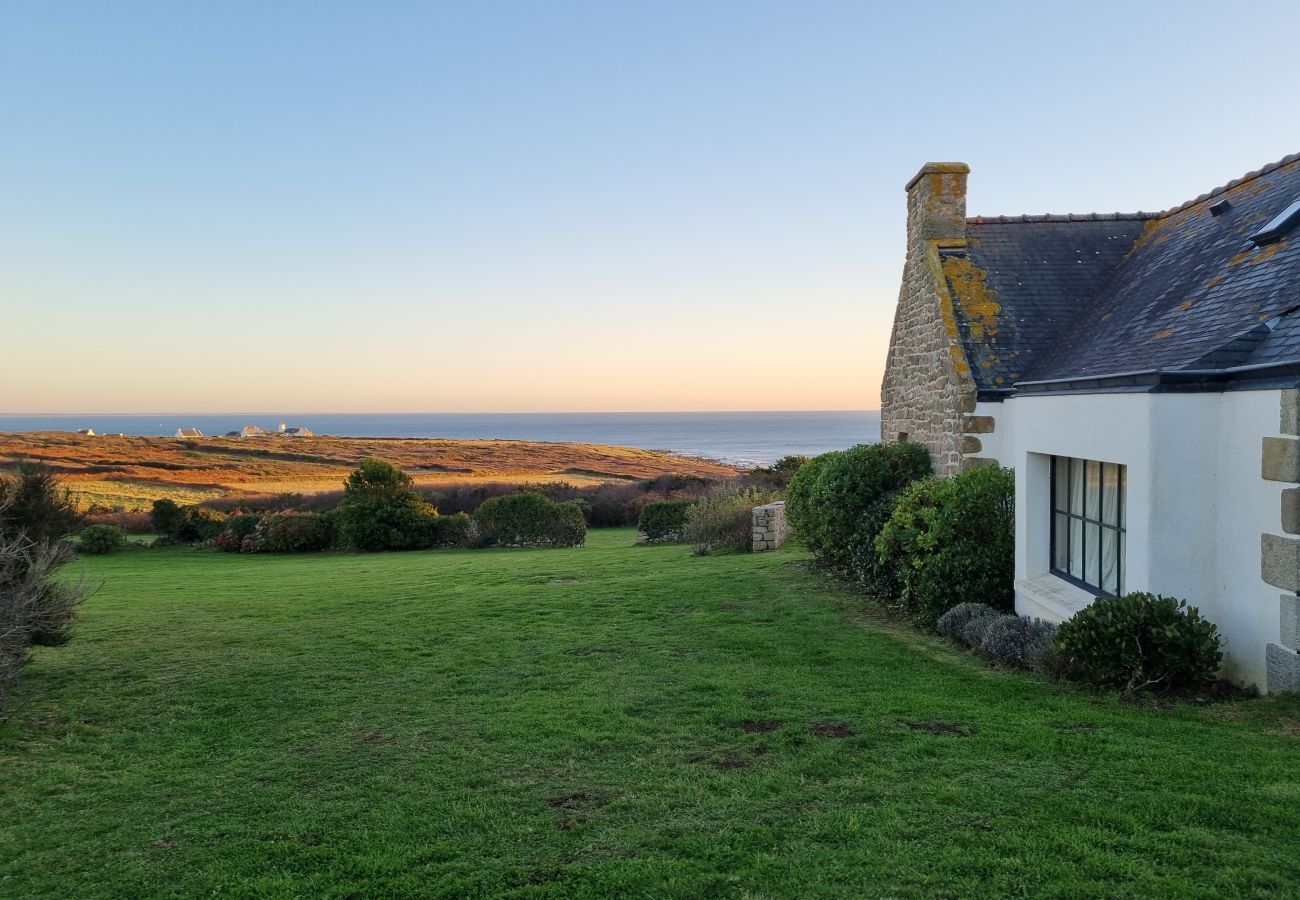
(1056, 298)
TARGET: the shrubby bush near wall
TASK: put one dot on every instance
(837, 503)
(953, 539)
(724, 519)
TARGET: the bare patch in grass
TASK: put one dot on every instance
(760, 727)
(831, 729)
(377, 738)
(731, 607)
(728, 761)
(575, 800)
(588, 651)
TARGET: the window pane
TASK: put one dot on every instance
(1061, 472)
(1123, 564)
(1093, 508)
(1110, 493)
(1076, 548)
(1109, 560)
(1062, 537)
(1092, 554)
(1076, 486)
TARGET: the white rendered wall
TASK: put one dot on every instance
(1196, 504)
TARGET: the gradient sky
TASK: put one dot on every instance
(549, 206)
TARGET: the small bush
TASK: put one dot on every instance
(953, 538)
(724, 519)
(449, 531)
(838, 502)
(663, 520)
(1141, 642)
(101, 539)
(35, 504)
(228, 541)
(528, 519)
(952, 624)
(1041, 654)
(1005, 639)
(36, 606)
(972, 635)
(294, 532)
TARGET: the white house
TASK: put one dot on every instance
(252, 431)
(188, 433)
(1140, 373)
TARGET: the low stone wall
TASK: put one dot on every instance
(770, 530)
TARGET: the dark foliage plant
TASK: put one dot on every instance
(1141, 642)
(380, 510)
(663, 519)
(95, 539)
(951, 540)
(838, 502)
(528, 519)
(34, 503)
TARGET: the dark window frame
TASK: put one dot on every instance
(1120, 527)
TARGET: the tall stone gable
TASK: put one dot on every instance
(928, 387)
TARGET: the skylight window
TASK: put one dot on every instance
(1279, 226)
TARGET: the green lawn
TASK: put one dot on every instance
(606, 721)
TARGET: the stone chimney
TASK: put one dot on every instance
(927, 391)
(936, 203)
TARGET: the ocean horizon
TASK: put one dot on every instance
(738, 438)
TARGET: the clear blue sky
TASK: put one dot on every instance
(558, 206)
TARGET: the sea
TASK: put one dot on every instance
(739, 438)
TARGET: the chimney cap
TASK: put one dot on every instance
(938, 168)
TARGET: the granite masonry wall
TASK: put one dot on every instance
(1280, 554)
(770, 530)
(928, 395)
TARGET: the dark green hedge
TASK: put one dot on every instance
(837, 503)
(528, 519)
(952, 540)
(663, 519)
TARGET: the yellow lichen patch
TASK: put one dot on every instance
(1213, 281)
(1184, 306)
(974, 297)
(1163, 333)
(1268, 252)
(1240, 256)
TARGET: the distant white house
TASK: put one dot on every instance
(252, 431)
(295, 431)
(188, 433)
(1141, 373)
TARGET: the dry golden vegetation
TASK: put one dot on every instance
(131, 472)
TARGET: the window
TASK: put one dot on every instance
(1088, 520)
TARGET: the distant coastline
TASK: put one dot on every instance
(736, 438)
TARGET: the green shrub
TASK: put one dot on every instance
(724, 518)
(528, 519)
(168, 518)
(663, 520)
(449, 531)
(37, 606)
(953, 539)
(101, 539)
(294, 532)
(380, 511)
(35, 504)
(952, 624)
(237, 527)
(838, 502)
(1141, 642)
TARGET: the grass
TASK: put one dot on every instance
(606, 721)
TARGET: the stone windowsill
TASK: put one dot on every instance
(1045, 596)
